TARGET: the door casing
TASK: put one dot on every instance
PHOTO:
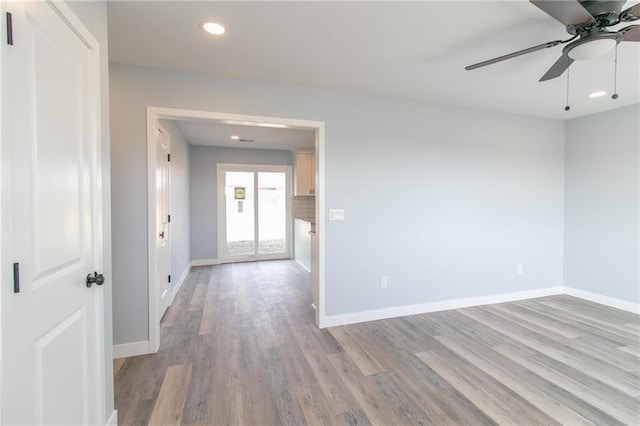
(154, 114)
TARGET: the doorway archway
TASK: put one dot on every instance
(154, 114)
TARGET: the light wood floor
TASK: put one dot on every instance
(239, 347)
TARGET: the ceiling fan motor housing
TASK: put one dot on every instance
(605, 12)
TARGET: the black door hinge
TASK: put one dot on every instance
(169, 278)
(9, 29)
(168, 157)
(169, 218)
(16, 278)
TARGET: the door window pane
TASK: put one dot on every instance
(272, 212)
(239, 195)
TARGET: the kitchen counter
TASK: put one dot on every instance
(311, 220)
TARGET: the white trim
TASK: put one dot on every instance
(300, 263)
(401, 311)
(156, 113)
(319, 226)
(603, 300)
(113, 419)
(176, 288)
(126, 350)
(153, 323)
(205, 262)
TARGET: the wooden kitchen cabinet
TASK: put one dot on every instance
(305, 174)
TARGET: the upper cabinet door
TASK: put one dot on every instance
(305, 174)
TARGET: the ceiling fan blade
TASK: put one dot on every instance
(630, 14)
(631, 33)
(514, 54)
(558, 68)
(566, 12)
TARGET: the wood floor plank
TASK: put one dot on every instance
(256, 357)
(592, 309)
(584, 322)
(626, 411)
(353, 418)
(197, 300)
(225, 401)
(117, 365)
(491, 398)
(633, 328)
(535, 323)
(616, 378)
(210, 304)
(256, 398)
(370, 399)
(352, 345)
(408, 411)
(338, 397)
(314, 405)
(438, 400)
(630, 350)
(519, 380)
(170, 402)
(287, 410)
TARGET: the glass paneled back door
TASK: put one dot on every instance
(253, 208)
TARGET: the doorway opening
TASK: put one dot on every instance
(154, 114)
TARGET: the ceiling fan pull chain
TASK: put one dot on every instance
(567, 107)
(615, 75)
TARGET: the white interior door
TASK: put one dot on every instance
(53, 328)
(163, 268)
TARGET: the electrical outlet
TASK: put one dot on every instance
(384, 281)
(520, 270)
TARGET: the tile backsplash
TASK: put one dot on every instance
(304, 207)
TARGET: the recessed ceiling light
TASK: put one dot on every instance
(235, 138)
(212, 28)
(597, 94)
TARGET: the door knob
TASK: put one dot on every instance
(162, 234)
(94, 278)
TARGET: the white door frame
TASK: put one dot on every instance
(154, 114)
(222, 211)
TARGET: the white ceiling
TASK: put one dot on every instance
(415, 50)
(215, 133)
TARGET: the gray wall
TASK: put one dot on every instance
(179, 203)
(602, 217)
(93, 15)
(204, 184)
(445, 201)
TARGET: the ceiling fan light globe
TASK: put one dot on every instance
(592, 49)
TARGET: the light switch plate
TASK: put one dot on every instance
(336, 215)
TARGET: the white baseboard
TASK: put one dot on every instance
(113, 419)
(603, 300)
(178, 285)
(401, 311)
(205, 262)
(131, 349)
(301, 264)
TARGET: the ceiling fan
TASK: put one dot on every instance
(587, 22)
